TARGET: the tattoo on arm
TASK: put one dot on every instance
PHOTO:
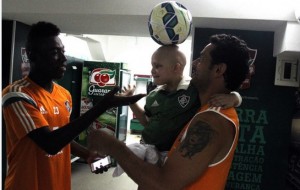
(197, 138)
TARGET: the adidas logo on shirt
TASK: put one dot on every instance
(155, 104)
(42, 110)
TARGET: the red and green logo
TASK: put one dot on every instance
(103, 77)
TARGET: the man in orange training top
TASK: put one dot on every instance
(202, 155)
(37, 112)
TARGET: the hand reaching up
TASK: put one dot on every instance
(129, 91)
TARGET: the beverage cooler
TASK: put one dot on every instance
(88, 82)
(98, 78)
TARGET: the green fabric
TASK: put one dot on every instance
(168, 113)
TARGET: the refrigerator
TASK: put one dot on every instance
(98, 78)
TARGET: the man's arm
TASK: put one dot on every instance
(54, 141)
(207, 141)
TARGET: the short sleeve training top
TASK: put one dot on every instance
(26, 107)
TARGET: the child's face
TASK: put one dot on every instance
(162, 70)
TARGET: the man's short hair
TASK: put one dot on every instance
(39, 32)
(232, 51)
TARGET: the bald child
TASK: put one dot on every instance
(173, 103)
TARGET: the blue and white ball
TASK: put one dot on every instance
(170, 23)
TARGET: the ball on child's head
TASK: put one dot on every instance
(170, 23)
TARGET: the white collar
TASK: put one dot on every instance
(183, 84)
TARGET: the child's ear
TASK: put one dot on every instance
(178, 67)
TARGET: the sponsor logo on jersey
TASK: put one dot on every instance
(184, 100)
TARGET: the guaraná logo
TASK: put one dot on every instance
(103, 77)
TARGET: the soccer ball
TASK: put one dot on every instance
(169, 23)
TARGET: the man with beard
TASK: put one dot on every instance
(202, 154)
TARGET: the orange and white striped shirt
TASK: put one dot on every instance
(26, 107)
